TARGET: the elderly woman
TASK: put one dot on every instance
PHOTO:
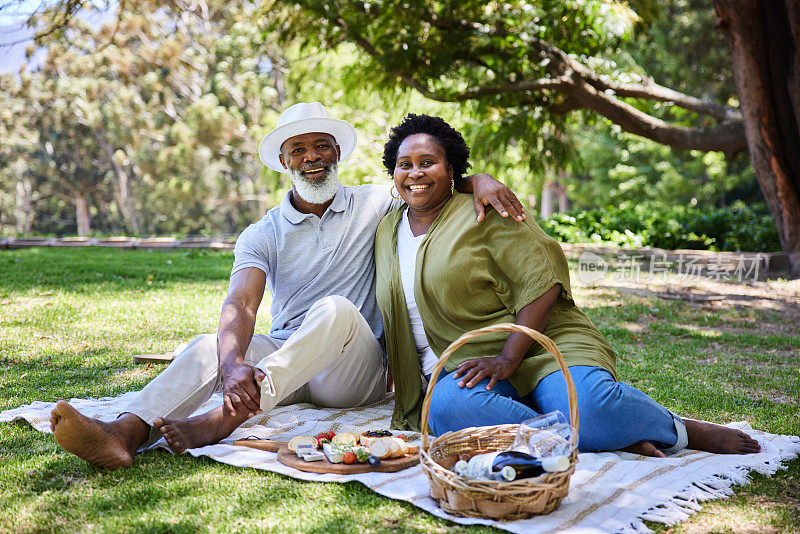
(440, 274)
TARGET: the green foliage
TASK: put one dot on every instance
(151, 122)
(612, 168)
(679, 44)
(452, 46)
(676, 43)
(153, 132)
(737, 229)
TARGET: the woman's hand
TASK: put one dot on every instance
(496, 368)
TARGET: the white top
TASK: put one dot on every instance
(407, 246)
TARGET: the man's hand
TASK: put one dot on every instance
(496, 368)
(486, 190)
(241, 389)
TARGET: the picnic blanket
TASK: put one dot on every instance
(609, 492)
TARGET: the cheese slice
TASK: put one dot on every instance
(332, 452)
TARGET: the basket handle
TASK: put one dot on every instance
(545, 341)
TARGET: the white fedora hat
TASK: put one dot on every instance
(300, 119)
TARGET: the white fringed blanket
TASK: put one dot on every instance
(609, 492)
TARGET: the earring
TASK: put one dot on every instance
(392, 192)
(452, 187)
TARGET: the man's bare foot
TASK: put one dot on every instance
(645, 448)
(109, 445)
(720, 439)
(199, 431)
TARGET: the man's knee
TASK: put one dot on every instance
(201, 352)
(335, 307)
(337, 304)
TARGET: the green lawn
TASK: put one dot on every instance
(70, 320)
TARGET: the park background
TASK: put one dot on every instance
(143, 118)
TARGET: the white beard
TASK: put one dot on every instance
(317, 192)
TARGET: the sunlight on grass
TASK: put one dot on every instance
(699, 330)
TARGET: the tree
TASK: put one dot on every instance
(161, 109)
(515, 55)
(764, 39)
(615, 168)
(526, 64)
(16, 140)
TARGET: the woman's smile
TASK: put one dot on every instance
(423, 175)
(418, 188)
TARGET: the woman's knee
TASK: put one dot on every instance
(454, 407)
(445, 403)
(598, 396)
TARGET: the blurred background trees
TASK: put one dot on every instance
(149, 123)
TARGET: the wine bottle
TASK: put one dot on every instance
(473, 470)
(527, 466)
(510, 465)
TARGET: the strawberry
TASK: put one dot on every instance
(322, 435)
(403, 437)
(349, 457)
(331, 433)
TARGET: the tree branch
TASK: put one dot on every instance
(727, 137)
(648, 90)
(469, 94)
(487, 90)
(585, 89)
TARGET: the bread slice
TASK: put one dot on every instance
(346, 438)
(367, 441)
(380, 448)
(402, 447)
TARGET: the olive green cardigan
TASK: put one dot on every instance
(470, 275)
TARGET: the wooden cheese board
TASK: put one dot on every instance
(287, 457)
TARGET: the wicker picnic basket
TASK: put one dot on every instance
(492, 499)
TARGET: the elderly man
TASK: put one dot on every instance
(314, 254)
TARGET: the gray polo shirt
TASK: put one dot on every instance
(307, 258)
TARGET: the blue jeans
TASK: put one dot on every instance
(612, 415)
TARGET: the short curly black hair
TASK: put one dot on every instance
(448, 137)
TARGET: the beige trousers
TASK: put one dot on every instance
(333, 360)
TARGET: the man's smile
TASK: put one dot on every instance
(314, 171)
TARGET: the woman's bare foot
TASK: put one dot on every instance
(199, 431)
(109, 445)
(720, 439)
(645, 448)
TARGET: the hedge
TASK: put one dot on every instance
(730, 229)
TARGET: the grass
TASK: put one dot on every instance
(70, 320)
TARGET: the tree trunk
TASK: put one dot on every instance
(124, 199)
(546, 208)
(82, 216)
(24, 208)
(764, 39)
(563, 199)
